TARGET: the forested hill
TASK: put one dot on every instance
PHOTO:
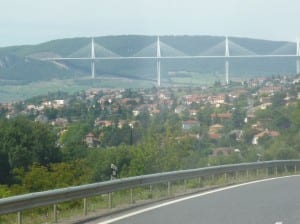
(23, 63)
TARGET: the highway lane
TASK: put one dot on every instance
(261, 202)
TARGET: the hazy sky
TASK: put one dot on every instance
(35, 21)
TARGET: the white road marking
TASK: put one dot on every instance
(187, 198)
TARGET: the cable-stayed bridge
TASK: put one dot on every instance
(159, 51)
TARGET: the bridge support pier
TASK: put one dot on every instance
(227, 72)
(158, 56)
(93, 59)
(158, 72)
(93, 69)
(227, 61)
(298, 57)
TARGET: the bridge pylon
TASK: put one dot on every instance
(92, 58)
(158, 57)
(227, 55)
(298, 57)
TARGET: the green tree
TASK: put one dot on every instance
(58, 175)
(37, 179)
(26, 142)
(238, 117)
(72, 143)
(51, 113)
(295, 117)
(278, 99)
(4, 168)
(4, 192)
(280, 150)
(204, 116)
(3, 112)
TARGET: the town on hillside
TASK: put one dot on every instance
(220, 113)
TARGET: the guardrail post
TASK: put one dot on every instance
(267, 171)
(225, 177)
(236, 175)
(257, 172)
(85, 206)
(110, 200)
(276, 171)
(295, 168)
(19, 218)
(131, 196)
(247, 174)
(200, 181)
(285, 169)
(55, 213)
(212, 178)
(169, 188)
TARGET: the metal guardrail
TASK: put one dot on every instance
(53, 197)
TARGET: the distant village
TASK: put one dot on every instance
(186, 102)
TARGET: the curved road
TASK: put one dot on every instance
(273, 201)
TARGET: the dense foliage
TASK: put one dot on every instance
(36, 156)
(24, 142)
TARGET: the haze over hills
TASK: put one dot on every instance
(24, 73)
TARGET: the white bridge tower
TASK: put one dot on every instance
(227, 55)
(93, 58)
(298, 57)
(158, 57)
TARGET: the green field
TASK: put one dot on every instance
(9, 93)
(15, 92)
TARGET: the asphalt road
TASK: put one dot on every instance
(275, 201)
